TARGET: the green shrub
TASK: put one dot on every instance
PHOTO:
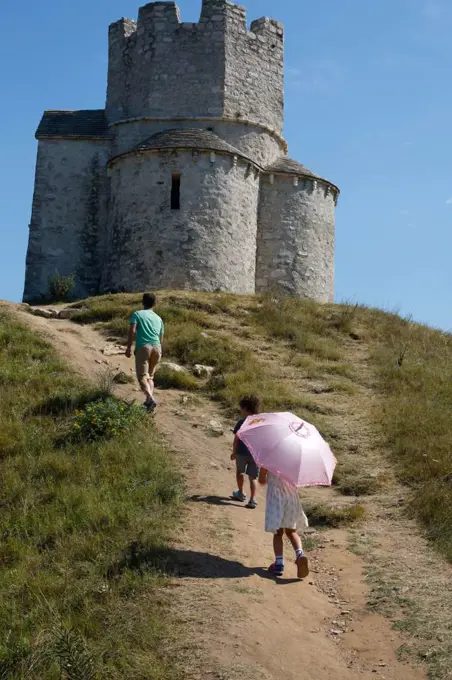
(60, 287)
(105, 419)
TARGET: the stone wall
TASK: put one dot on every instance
(295, 242)
(121, 54)
(161, 68)
(209, 244)
(69, 215)
(176, 69)
(254, 78)
(252, 140)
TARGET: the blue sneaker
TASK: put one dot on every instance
(239, 496)
(276, 569)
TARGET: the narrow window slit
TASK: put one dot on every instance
(175, 192)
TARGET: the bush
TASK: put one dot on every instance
(105, 419)
(60, 287)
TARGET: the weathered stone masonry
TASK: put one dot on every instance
(183, 181)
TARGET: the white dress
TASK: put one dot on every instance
(283, 509)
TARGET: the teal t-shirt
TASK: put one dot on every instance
(149, 328)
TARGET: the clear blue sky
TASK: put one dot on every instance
(368, 105)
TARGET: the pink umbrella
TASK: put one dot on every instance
(290, 448)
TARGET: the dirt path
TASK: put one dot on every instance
(238, 622)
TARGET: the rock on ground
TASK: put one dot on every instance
(113, 350)
(216, 427)
(68, 313)
(45, 313)
(170, 365)
(201, 371)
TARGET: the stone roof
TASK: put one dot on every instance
(88, 124)
(288, 166)
(188, 139)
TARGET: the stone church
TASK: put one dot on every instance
(183, 181)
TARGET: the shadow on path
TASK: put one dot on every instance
(141, 558)
(216, 500)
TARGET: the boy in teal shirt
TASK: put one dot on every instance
(146, 329)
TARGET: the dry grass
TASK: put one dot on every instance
(167, 378)
(350, 480)
(323, 515)
(354, 357)
(413, 365)
(308, 328)
(194, 335)
(70, 510)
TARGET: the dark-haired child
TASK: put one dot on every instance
(244, 461)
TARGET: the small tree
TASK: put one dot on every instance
(60, 287)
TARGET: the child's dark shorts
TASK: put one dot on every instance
(246, 466)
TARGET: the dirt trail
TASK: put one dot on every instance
(238, 620)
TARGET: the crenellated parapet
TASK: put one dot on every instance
(160, 67)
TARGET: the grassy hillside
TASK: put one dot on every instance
(79, 472)
(407, 366)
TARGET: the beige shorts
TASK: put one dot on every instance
(146, 360)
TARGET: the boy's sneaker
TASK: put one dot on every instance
(276, 569)
(302, 566)
(252, 505)
(150, 406)
(239, 496)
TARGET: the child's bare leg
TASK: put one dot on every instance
(278, 543)
(145, 388)
(277, 567)
(253, 489)
(240, 481)
(294, 539)
(301, 559)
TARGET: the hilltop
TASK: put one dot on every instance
(379, 388)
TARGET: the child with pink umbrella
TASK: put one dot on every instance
(290, 453)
